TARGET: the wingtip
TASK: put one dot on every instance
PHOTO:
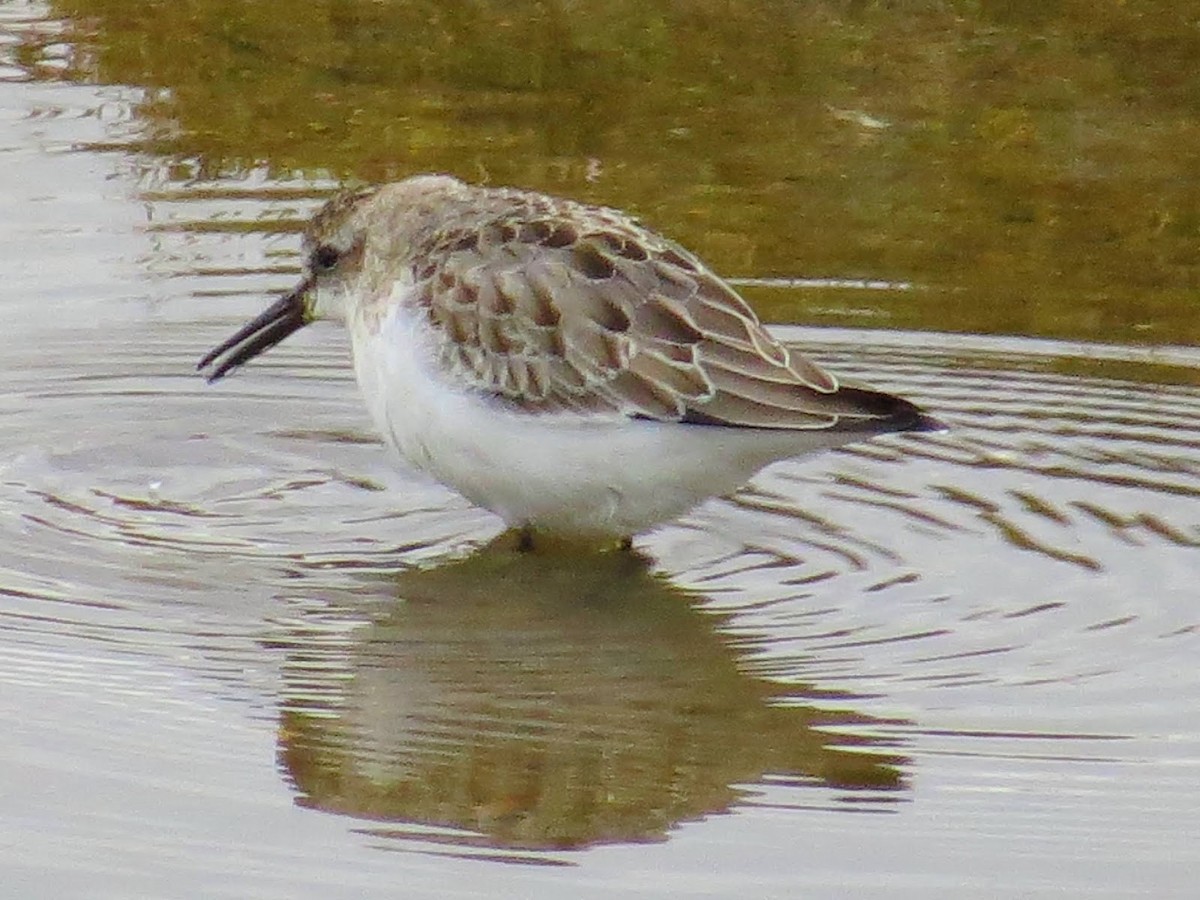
(892, 413)
(924, 423)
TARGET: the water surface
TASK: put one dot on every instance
(246, 656)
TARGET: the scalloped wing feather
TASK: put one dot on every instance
(575, 308)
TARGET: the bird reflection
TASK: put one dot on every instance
(547, 702)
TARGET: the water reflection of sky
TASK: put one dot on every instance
(242, 654)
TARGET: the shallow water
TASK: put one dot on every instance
(243, 655)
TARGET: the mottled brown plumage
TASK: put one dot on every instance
(556, 305)
(557, 363)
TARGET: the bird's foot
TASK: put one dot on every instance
(526, 539)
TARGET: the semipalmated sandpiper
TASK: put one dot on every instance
(556, 363)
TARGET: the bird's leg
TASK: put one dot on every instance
(526, 540)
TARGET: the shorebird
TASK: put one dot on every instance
(557, 363)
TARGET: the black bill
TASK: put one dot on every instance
(285, 315)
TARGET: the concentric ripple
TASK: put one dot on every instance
(242, 654)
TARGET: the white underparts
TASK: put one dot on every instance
(564, 472)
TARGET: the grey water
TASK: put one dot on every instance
(242, 654)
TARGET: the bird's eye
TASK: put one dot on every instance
(324, 258)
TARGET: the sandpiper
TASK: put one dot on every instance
(557, 363)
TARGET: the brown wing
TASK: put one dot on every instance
(577, 308)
